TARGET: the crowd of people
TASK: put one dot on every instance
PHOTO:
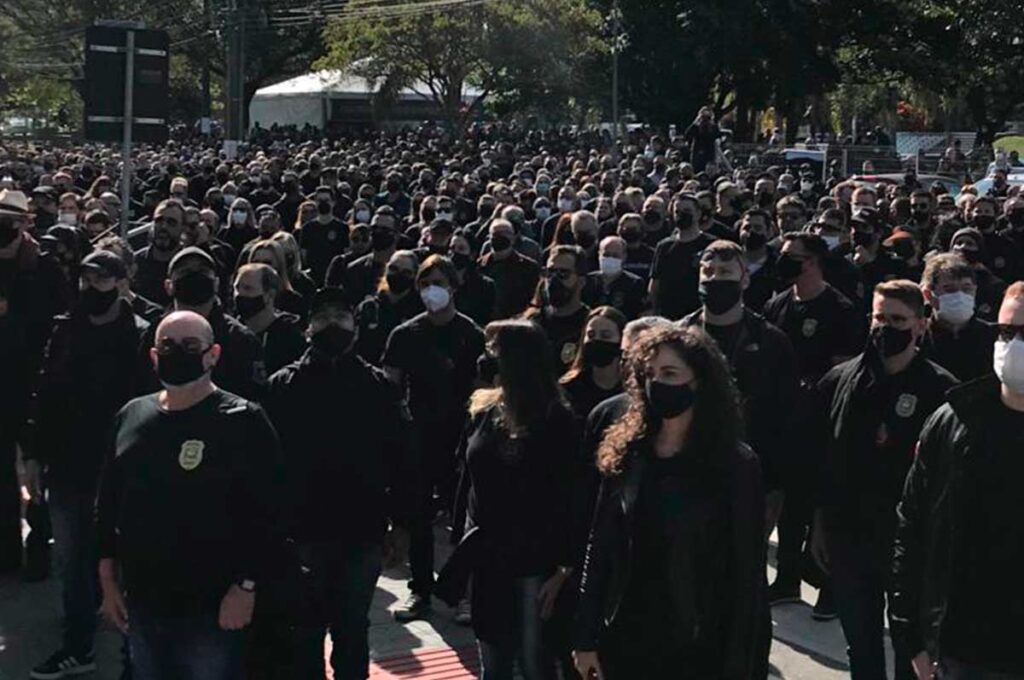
(610, 372)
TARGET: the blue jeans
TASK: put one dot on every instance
(186, 648)
(72, 516)
(498, 660)
(344, 578)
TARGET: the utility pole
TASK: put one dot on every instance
(234, 131)
(616, 40)
(207, 110)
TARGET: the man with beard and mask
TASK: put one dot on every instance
(922, 209)
(393, 303)
(44, 208)
(394, 196)
(164, 241)
(872, 410)
(324, 237)
(656, 227)
(611, 284)
(873, 262)
(328, 390)
(90, 370)
(676, 266)
(824, 328)
(255, 288)
(960, 536)
(957, 339)
(432, 359)
(639, 255)
(187, 512)
(435, 239)
(200, 228)
(557, 307)
(192, 284)
(360, 277)
(474, 295)
(970, 245)
(523, 245)
(754, 232)
(287, 205)
(1004, 258)
(515, 276)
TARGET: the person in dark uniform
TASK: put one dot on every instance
(323, 237)
(181, 584)
(639, 255)
(557, 307)
(754, 232)
(956, 339)
(327, 391)
(475, 295)
(676, 266)
(432, 358)
(515, 276)
(611, 284)
(957, 592)
(970, 245)
(256, 287)
(152, 261)
(361, 275)
(147, 309)
(395, 303)
(192, 283)
(872, 410)
(595, 373)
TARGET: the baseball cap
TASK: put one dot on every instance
(106, 263)
(191, 253)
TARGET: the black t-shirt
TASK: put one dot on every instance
(986, 603)
(584, 394)
(439, 363)
(563, 334)
(638, 260)
(320, 242)
(676, 268)
(824, 327)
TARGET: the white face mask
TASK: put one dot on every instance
(565, 205)
(543, 213)
(444, 216)
(239, 217)
(831, 241)
(435, 298)
(68, 218)
(955, 308)
(1008, 364)
(363, 216)
(610, 266)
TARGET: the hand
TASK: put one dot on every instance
(819, 548)
(549, 593)
(114, 609)
(396, 548)
(587, 665)
(33, 480)
(924, 669)
(236, 609)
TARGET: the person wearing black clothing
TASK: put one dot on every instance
(181, 584)
(956, 339)
(673, 583)
(639, 255)
(394, 303)
(515, 276)
(323, 237)
(89, 372)
(556, 304)
(517, 453)
(331, 390)
(164, 241)
(1002, 255)
(432, 358)
(281, 333)
(239, 226)
(957, 593)
(676, 266)
(754, 230)
(969, 244)
(141, 307)
(288, 204)
(702, 137)
(595, 373)
(872, 410)
(874, 263)
(362, 275)
(191, 283)
(475, 295)
(611, 284)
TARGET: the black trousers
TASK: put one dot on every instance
(438, 444)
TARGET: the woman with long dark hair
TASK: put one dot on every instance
(673, 583)
(517, 454)
(595, 373)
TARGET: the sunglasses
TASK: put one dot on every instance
(560, 274)
(1008, 332)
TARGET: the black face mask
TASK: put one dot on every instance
(382, 239)
(600, 353)
(765, 200)
(249, 306)
(586, 240)
(669, 401)
(95, 302)
(972, 256)
(399, 283)
(8, 232)
(323, 207)
(920, 214)
(789, 268)
(177, 367)
(890, 341)
(863, 238)
(193, 288)
(462, 261)
(631, 236)
(737, 204)
(1016, 219)
(753, 240)
(684, 220)
(428, 215)
(500, 243)
(487, 368)
(652, 219)
(983, 222)
(719, 296)
(332, 340)
(558, 293)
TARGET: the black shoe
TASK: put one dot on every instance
(414, 608)
(779, 593)
(64, 665)
(825, 607)
(37, 566)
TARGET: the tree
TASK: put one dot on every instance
(521, 53)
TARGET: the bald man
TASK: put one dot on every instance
(185, 510)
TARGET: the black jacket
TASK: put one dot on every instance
(931, 512)
(627, 293)
(726, 613)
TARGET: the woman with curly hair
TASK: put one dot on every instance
(674, 578)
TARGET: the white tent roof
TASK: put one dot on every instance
(339, 84)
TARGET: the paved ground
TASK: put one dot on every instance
(30, 625)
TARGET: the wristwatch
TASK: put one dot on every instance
(248, 585)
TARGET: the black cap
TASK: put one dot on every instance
(265, 207)
(190, 253)
(98, 216)
(45, 190)
(330, 297)
(106, 263)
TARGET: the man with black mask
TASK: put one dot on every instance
(676, 266)
(557, 306)
(288, 204)
(872, 408)
(754, 231)
(639, 255)
(192, 283)
(330, 390)
(1013, 229)
(255, 289)
(164, 242)
(360, 277)
(474, 295)
(394, 196)
(44, 208)
(874, 263)
(323, 237)
(89, 372)
(1003, 257)
(515, 276)
(656, 227)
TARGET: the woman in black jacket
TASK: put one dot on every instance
(673, 583)
(517, 453)
(595, 373)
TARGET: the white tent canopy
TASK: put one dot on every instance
(309, 98)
